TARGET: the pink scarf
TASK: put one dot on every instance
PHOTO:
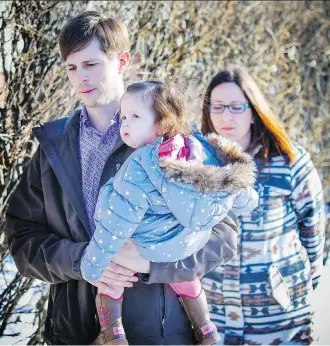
(176, 147)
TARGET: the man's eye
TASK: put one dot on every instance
(135, 116)
(123, 117)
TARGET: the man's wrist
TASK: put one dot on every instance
(147, 268)
(76, 265)
(76, 269)
(151, 277)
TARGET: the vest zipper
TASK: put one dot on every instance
(163, 307)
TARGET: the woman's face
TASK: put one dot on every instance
(234, 126)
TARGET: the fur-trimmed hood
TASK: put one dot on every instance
(238, 170)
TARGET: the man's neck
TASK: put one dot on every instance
(102, 116)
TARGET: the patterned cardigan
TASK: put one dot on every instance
(261, 296)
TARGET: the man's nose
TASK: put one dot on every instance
(82, 74)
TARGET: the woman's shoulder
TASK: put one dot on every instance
(300, 152)
(279, 164)
(302, 163)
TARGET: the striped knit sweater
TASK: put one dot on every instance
(262, 295)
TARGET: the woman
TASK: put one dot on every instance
(261, 296)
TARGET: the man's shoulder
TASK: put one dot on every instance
(58, 126)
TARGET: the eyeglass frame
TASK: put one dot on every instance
(246, 106)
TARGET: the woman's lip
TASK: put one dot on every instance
(87, 91)
(227, 128)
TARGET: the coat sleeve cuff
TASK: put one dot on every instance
(76, 257)
(152, 277)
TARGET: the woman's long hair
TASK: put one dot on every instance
(267, 129)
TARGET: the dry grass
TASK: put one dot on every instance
(284, 44)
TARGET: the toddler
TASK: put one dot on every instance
(167, 196)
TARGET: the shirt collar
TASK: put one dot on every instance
(84, 119)
(85, 122)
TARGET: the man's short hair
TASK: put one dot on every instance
(111, 33)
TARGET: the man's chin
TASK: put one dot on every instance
(96, 103)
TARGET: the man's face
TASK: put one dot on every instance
(94, 76)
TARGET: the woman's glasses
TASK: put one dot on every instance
(237, 108)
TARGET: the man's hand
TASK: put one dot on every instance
(129, 257)
(114, 279)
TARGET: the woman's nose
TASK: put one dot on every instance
(226, 115)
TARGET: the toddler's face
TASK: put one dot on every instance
(138, 121)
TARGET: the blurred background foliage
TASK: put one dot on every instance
(285, 45)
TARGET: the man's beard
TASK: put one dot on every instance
(102, 99)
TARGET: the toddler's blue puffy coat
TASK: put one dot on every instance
(167, 206)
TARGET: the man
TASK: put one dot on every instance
(50, 217)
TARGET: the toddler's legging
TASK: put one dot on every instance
(190, 289)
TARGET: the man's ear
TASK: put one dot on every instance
(124, 57)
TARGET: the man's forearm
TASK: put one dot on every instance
(41, 255)
(221, 248)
